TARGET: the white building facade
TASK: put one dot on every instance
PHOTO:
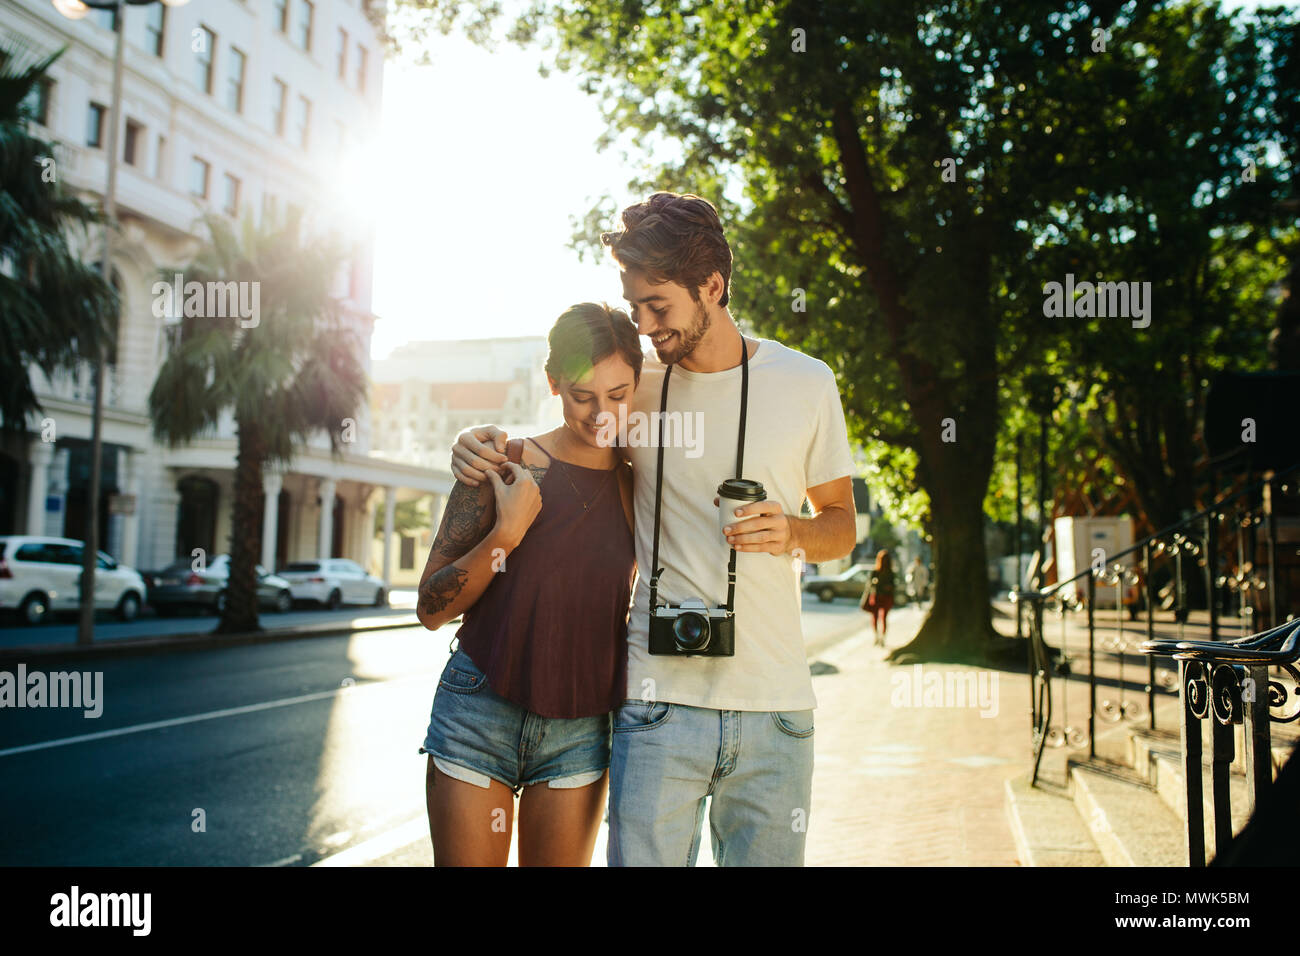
(228, 106)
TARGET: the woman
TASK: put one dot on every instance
(540, 561)
(878, 596)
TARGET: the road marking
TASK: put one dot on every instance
(210, 715)
(412, 831)
(286, 861)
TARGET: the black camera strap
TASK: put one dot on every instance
(659, 476)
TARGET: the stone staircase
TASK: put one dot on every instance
(1127, 806)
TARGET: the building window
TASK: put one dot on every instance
(361, 68)
(104, 18)
(282, 15)
(95, 125)
(204, 46)
(279, 101)
(37, 102)
(343, 54)
(158, 157)
(303, 121)
(235, 81)
(306, 14)
(155, 16)
(230, 201)
(132, 148)
(199, 171)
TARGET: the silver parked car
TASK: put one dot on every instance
(333, 582)
(42, 575)
(179, 586)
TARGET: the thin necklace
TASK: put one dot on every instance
(572, 485)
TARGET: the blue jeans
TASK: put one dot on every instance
(666, 758)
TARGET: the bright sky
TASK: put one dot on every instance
(483, 164)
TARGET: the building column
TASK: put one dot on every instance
(40, 457)
(326, 534)
(365, 546)
(272, 482)
(164, 506)
(130, 462)
(390, 507)
(57, 484)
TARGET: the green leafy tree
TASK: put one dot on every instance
(900, 179)
(54, 308)
(293, 372)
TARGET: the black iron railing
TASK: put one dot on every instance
(1229, 681)
(1198, 539)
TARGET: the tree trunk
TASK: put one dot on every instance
(959, 626)
(240, 615)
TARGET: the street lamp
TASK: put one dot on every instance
(1044, 395)
(77, 10)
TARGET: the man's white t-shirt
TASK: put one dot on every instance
(795, 439)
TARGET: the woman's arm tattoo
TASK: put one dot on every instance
(441, 588)
(462, 524)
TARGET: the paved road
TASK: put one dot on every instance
(287, 753)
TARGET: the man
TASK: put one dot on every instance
(737, 729)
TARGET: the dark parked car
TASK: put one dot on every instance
(179, 587)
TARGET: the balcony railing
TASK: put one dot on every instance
(79, 385)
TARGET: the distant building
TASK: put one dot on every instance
(426, 393)
(227, 106)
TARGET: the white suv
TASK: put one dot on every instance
(332, 582)
(39, 576)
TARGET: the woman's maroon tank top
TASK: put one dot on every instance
(550, 630)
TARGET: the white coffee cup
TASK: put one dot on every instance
(736, 493)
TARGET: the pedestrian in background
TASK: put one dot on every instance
(918, 580)
(878, 597)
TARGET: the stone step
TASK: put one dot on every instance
(1167, 770)
(1126, 819)
(1047, 826)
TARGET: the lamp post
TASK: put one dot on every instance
(1044, 396)
(77, 10)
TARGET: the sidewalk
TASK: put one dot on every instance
(111, 637)
(902, 785)
(892, 786)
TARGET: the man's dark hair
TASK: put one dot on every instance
(673, 237)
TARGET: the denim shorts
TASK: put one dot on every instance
(477, 736)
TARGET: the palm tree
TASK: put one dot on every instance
(289, 371)
(54, 308)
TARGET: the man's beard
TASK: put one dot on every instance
(687, 340)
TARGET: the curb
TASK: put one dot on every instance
(203, 640)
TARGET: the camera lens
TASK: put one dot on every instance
(691, 631)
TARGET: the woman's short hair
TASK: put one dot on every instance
(587, 334)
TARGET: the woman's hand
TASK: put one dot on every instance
(477, 452)
(517, 504)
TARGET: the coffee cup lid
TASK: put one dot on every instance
(742, 489)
